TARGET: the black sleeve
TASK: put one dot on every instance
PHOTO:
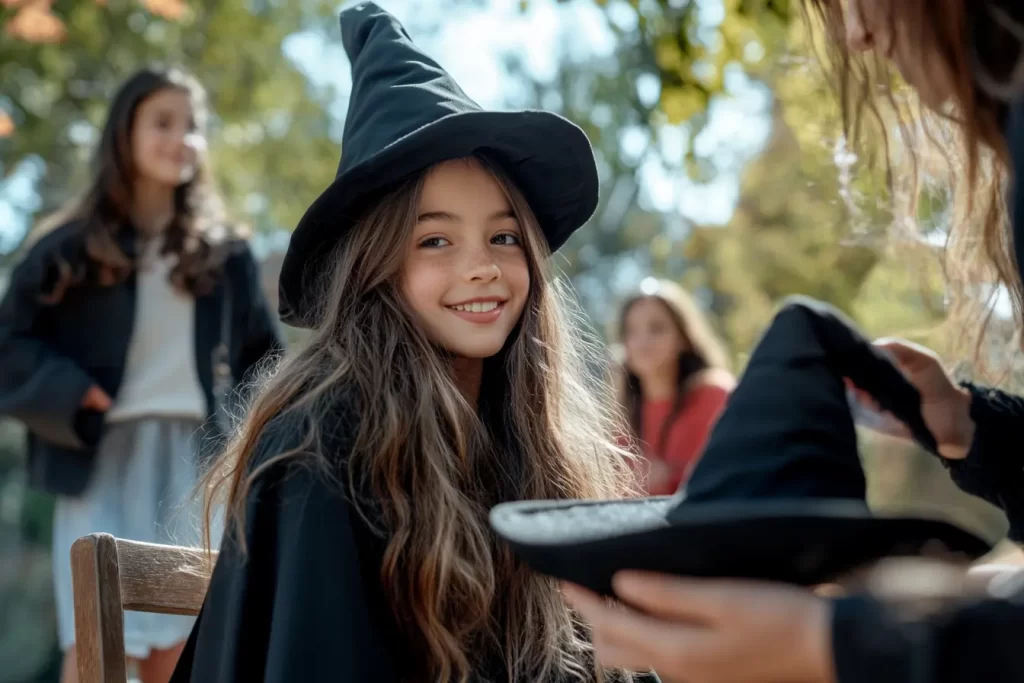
(994, 467)
(38, 386)
(294, 608)
(976, 642)
(260, 335)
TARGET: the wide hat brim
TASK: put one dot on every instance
(547, 156)
(805, 542)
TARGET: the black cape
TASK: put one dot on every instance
(304, 602)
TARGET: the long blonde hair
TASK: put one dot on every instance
(426, 466)
(972, 42)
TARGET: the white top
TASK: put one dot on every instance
(160, 377)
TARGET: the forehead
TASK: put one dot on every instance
(648, 309)
(169, 101)
(461, 183)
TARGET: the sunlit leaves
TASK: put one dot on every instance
(34, 21)
(270, 134)
(168, 9)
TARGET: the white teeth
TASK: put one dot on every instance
(476, 307)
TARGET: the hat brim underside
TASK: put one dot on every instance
(549, 158)
(804, 543)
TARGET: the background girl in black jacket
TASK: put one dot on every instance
(112, 330)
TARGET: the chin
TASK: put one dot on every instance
(475, 351)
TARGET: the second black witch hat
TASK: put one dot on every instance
(780, 492)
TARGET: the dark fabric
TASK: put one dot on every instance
(405, 114)
(787, 431)
(51, 354)
(977, 642)
(779, 493)
(304, 601)
(994, 468)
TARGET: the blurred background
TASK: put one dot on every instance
(716, 135)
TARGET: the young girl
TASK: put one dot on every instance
(675, 380)
(110, 332)
(442, 376)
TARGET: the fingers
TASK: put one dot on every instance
(103, 401)
(624, 638)
(697, 601)
(97, 399)
(906, 353)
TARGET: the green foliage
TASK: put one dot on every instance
(272, 132)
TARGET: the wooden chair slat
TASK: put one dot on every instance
(99, 620)
(161, 579)
(111, 575)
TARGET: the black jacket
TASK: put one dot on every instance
(51, 354)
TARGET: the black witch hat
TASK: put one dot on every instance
(406, 114)
(779, 494)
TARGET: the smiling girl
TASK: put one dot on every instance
(442, 376)
(108, 336)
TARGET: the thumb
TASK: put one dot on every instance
(906, 353)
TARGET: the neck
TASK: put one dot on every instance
(660, 385)
(152, 206)
(468, 373)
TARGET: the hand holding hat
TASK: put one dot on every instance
(779, 494)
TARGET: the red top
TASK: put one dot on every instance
(685, 439)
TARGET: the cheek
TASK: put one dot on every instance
(515, 271)
(423, 287)
(145, 152)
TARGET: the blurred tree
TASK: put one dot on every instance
(811, 219)
(272, 138)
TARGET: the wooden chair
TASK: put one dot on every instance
(111, 575)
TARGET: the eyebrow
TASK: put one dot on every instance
(452, 218)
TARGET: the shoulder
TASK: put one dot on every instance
(299, 470)
(299, 437)
(712, 381)
(238, 253)
(41, 245)
(38, 265)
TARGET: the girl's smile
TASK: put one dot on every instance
(480, 310)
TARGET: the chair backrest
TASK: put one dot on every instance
(111, 575)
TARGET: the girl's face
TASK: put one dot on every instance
(652, 339)
(466, 275)
(165, 142)
(878, 26)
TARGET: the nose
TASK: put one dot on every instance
(481, 266)
(858, 37)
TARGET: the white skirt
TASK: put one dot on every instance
(141, 489)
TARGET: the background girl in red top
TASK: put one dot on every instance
(675, 380)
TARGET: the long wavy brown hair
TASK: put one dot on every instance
(979, 43)
(705, 350)
(427, 465)
(197, 230)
